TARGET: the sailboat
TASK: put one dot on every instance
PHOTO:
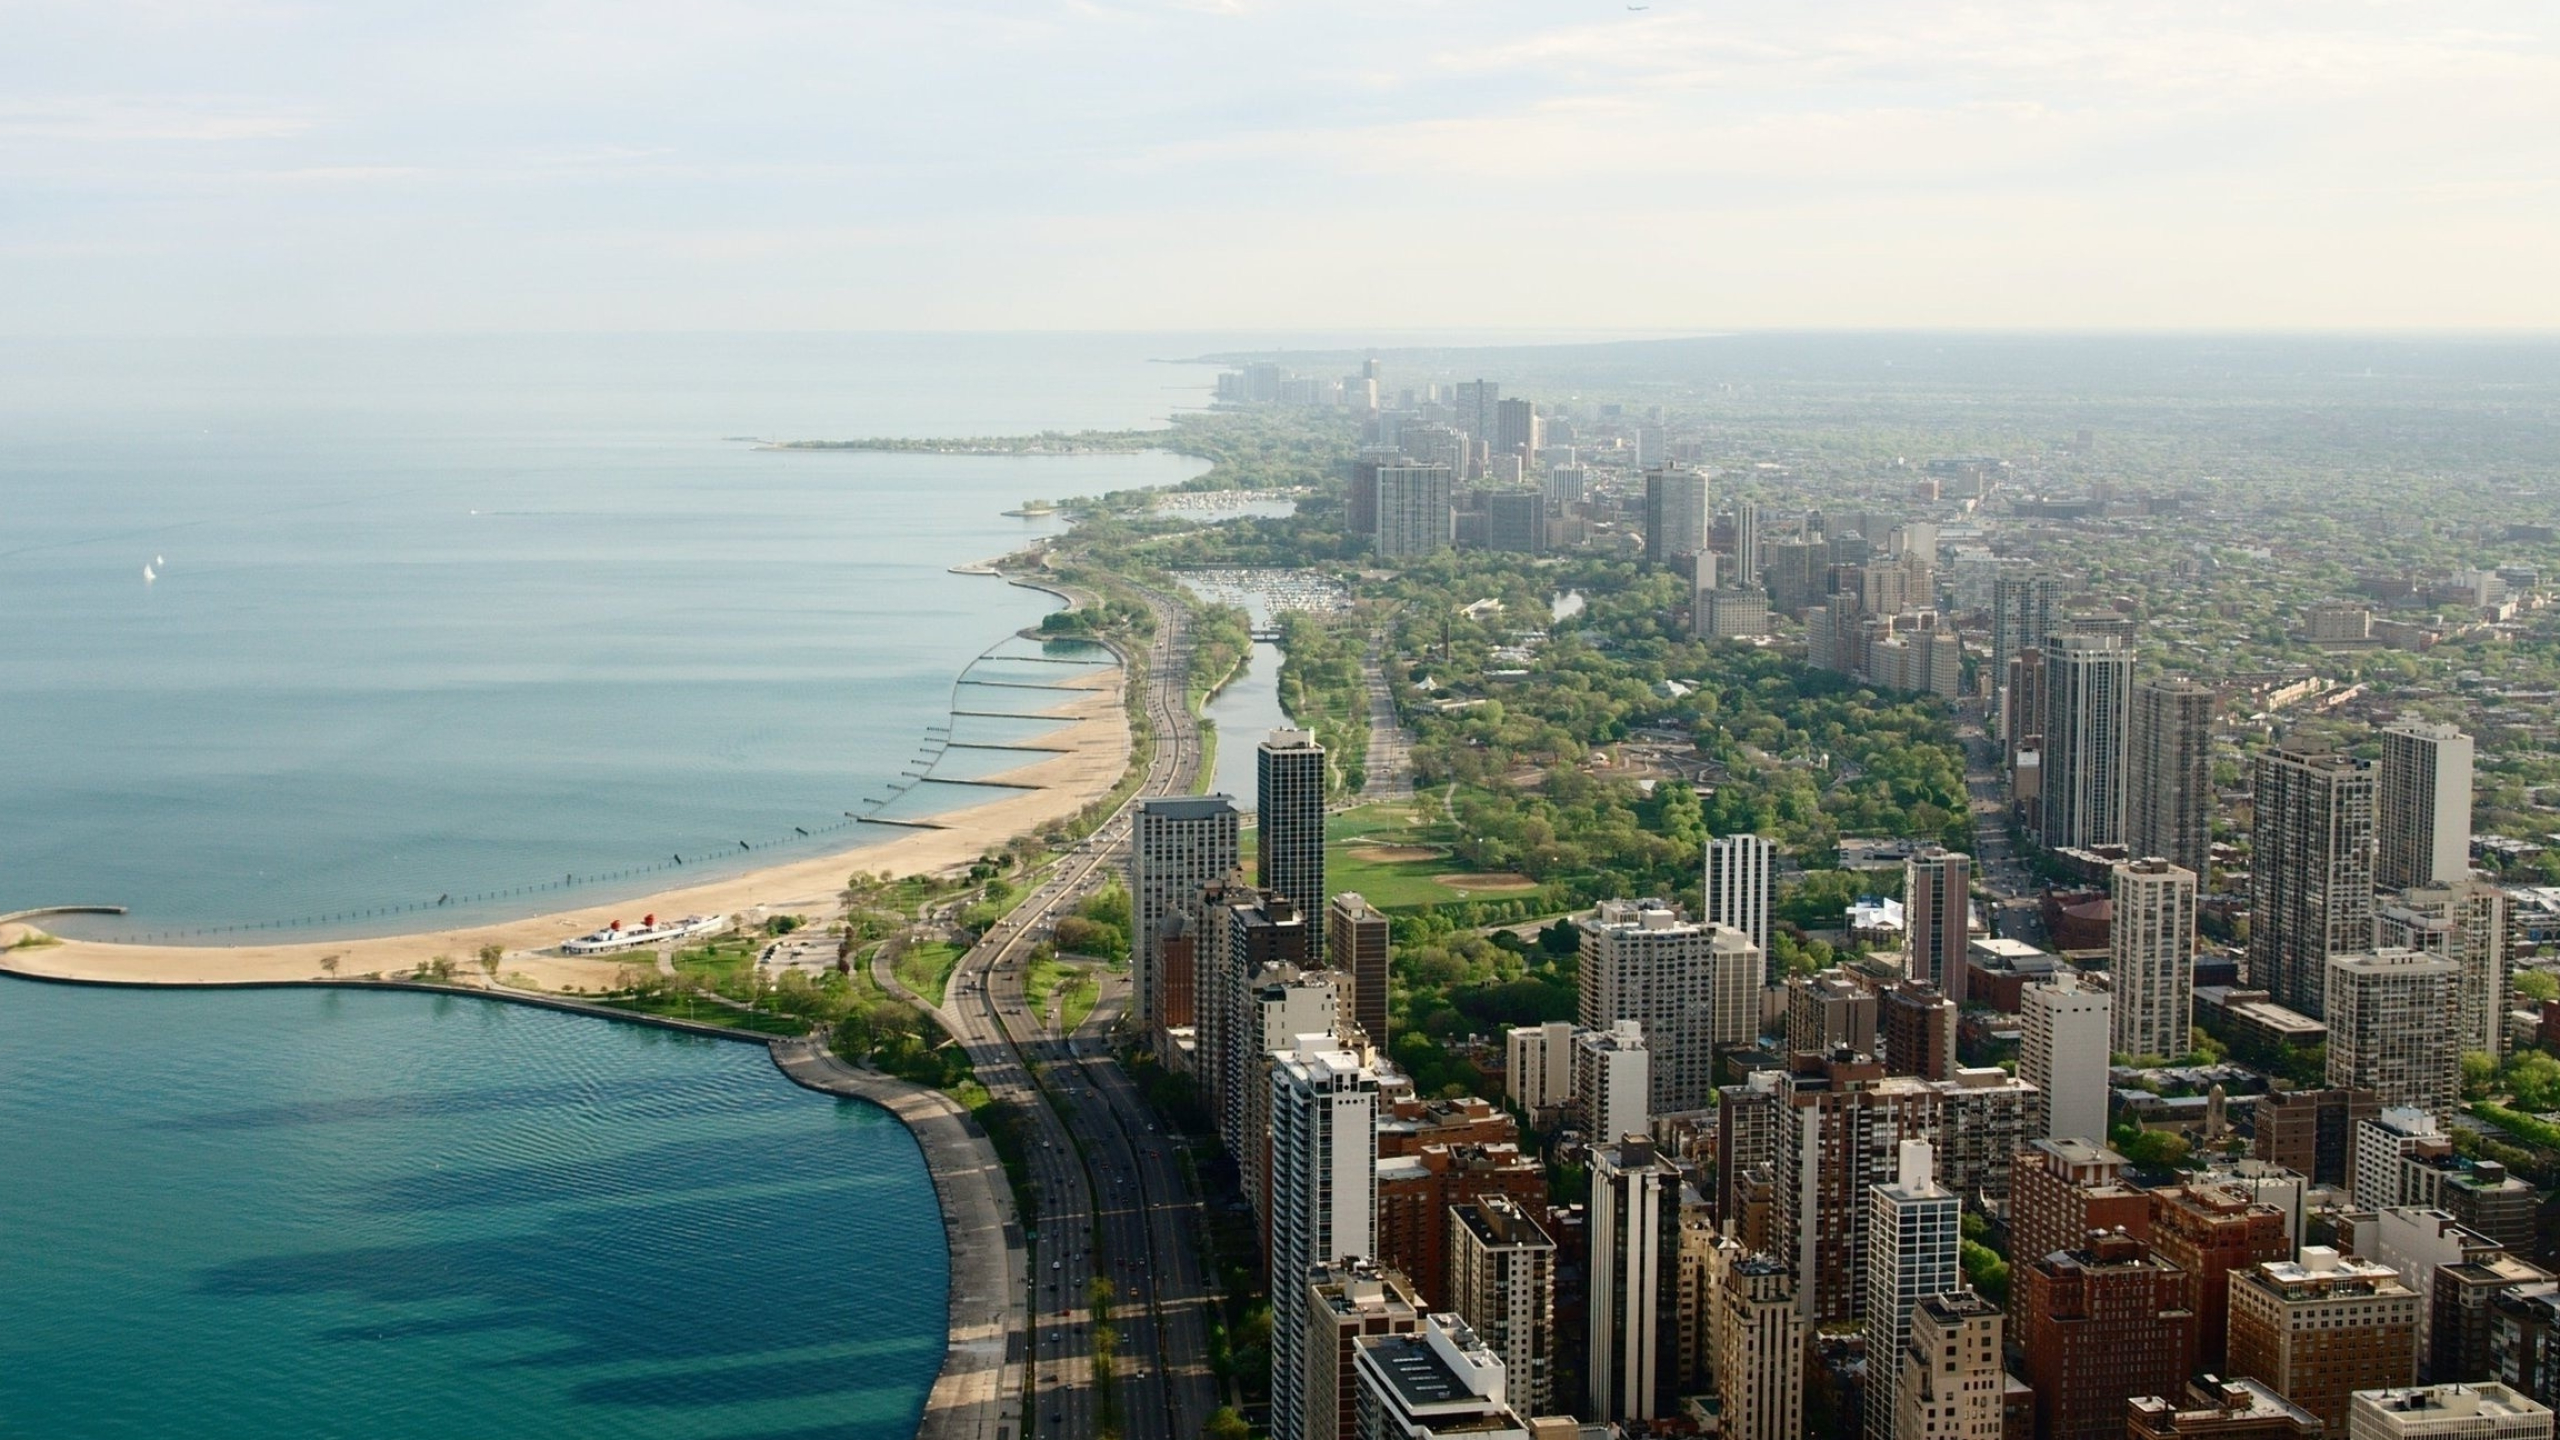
(147, 575)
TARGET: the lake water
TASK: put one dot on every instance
(1244, 712)
(461, 620)
(407, 1217)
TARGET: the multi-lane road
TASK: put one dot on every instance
(1114, 1199)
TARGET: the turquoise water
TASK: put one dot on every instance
(323, 1213)
(468, 618)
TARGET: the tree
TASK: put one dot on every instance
(490, 955)
(1226, 1424)
(329, 964)
(2479, 1072)
(2537, 985)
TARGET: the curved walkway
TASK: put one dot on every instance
(978, 1395)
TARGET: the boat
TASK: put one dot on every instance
(650, 931)
(147, 576)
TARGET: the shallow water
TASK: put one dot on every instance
(302, 1212)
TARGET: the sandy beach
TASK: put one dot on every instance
(1097, 743)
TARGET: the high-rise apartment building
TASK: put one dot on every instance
(1746, 544)
(2310, 871)
(2311, 1132)
(1633, 1235)
(1937, 916)
(1178, 844)
(2423, 806)
(1476, 407)
(1538, 1065)
(2169, 779)
(1919, 1026)
(1741, 886)
(2320, 1328)
(1675, 514)
(2101, 1321)
(2391, 1017)
(1502, 1282)
(2484, 1411)
(2151, 957)
(1834, 1127)
(1289, 790)
(1757, 1341)
(2465, 922)
(1355, 943)
(2063, 1036)
(2059, 1191)
(1324, 1105)
(1950, 1384)
(2383, 1140)
(2208, 1230)
(1829, 1011)
(1913, 1227)
(1515, 521)
(2024, 610)
(1692, 986)
(2088, 720)
(1345, 1300)
(1245, 934)
(1414, 514)
(1441, 1380)
(1612, 1082)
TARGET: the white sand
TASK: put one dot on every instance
(1098, 745)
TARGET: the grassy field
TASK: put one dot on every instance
(1394, 854)
(710, 1012)
(722, 962)
(925, 967)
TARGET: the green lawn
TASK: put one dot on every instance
(710, 1012)
(722, 962)
(1391, 884)
(926, 967)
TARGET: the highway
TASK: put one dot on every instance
(1093, 1143)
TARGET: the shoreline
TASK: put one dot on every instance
(1098, 745)
(985, 1259)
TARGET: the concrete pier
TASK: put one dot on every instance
(978, 1395)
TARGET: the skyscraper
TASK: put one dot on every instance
(1937, 916)
(2391, 1017)
(2423, 811)
(2310, 870)
(1741, 886)
(1245, 933)
(1289, 789)
(1177, 845)
(2464, 922)
(1757, 1340)
(1913, 1226)
(2024, 608)
(1502, 1282)
(1675, 514)
(1323, 1197)
(1950, 1384)
(2151, 955)
(1355, 943)
(1515, 428)
(1478, 407)
(2102, 1321)
(1746, 544)
(2059, 1191)
(1612, 1082)
(1345, 1301)
(1538, 1065)
(2323, 1327)
(1413, 511)
(1633, 1235)
(2169, 780)
(1692, 986)
(2062, 1051)
(2207, 1231)
(2088, 717)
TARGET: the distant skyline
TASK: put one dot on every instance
(281, 166)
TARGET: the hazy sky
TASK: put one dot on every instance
(292, 165)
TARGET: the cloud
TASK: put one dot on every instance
(108, 119)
